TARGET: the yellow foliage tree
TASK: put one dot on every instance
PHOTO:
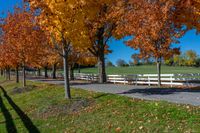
(64, 20)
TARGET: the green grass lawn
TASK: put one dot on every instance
(44, 109)
(144, 69)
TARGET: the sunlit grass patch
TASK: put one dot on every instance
(45, 108)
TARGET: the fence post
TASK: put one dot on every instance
(171, 81)
(124, 79)
(93, 77)
(136, 79)
(149, 81)
(88, 77)
(187, 81)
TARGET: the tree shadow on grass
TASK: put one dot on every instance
(101, 95)
(10, 126)
(25, 119)
(159, 91)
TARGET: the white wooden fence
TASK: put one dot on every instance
(135, 79)
(146, 79)
(84, 76)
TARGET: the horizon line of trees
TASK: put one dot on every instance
(188, 58)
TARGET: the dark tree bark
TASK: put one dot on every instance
(24, 74)
(66, 72)
(1, 72)
(5, 73)
(79, 68)
(17, 74)
(8, 73)
(71, 73)
(101, 56)
(39, 72)
(9, 76)
(159, 71)
(101, 69)
(46, 71)
(54, 70)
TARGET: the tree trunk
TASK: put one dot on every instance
(79, 68)
(46, 72)
(1, 72)
(66, 75)
(8, 73)
(24, 75)
(101, 54)
(101, 68)
(5, 73)
(71, 73)
(9, 76)
(17, 74)
(159, 72)
(39, 72)
(54, 70)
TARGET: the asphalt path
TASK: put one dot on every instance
(181, 96)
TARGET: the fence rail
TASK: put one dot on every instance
(135, 79)
(148, 79)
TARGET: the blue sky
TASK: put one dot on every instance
(7, 5)
(190, 41)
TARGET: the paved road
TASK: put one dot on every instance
(183, 96)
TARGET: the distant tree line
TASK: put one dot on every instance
(136, 61)
(188, 58)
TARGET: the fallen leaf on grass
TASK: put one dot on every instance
(118, 129)
(141, 127)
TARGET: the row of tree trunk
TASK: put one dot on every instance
(71, 72)
(6, 73)
(68, 73)
(54, 68)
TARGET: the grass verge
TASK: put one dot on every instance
(144, 69)
(44, 109)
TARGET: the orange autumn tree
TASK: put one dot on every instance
(9, 57)
(8, 60)
(151, 25)
(102, 24)
(108, 14)
(51, 59)
(188, 14)
(3, 63)
(66, 21)
(54, 61)
(26, 38)
(76, 55)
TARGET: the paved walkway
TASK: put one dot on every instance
(183, 96)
